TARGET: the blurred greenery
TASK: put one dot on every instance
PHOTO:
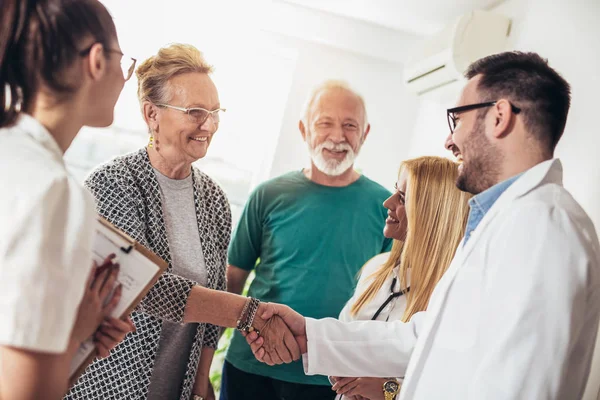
(217, 365)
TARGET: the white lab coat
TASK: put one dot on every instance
(514, 317)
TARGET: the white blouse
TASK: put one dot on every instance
(46, 228)
(395, 308)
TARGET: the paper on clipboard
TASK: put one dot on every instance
(139, 270)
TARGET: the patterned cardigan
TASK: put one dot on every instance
(127, 194)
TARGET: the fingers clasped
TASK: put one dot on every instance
(276, 343)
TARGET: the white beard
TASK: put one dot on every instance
(332, 167)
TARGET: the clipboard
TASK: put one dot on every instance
(139, 270)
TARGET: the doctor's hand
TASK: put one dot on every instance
(110, 334)
(294, 321)
(99, 299)
(359, 388)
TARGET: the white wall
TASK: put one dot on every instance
(431, 124)
(390, 109)
(304, 22)
(565, 32)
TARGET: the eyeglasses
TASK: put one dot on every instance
(197, 115)
(127, 63)
(451, 112)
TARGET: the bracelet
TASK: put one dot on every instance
(244, 324)
(241, 319)
(252, 314)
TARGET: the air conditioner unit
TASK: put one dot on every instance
(443, 58)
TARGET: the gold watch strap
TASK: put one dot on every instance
(391, 395)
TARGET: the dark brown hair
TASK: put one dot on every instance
(39, 41)
(527, 80)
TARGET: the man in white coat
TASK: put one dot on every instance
(516, 314)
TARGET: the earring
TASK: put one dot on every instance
(153, 142)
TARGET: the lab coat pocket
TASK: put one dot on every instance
(459, 320)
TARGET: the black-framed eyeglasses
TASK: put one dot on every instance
(198, 115)
(451, 112)
(127, 63)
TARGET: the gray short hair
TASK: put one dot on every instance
(328, 85)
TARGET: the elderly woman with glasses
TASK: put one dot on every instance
(160, 199)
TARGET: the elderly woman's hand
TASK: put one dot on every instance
(278, 342)
(282, 337)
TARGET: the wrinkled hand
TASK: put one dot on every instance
(111, 333)
(97, 302)
(278, 342)
(267, 348)
(360, 388)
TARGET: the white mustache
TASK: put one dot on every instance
(332, 167)
(329, 145)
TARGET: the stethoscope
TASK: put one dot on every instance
(392, 296)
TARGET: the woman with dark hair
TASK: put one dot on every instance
(59, 70)
(59, 66)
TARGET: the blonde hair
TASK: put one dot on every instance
(330, 84)
(437, 215)
(155, 72)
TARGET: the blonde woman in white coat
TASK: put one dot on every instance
(427, 215)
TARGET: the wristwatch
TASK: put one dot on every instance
(390, 389)
(196, 397)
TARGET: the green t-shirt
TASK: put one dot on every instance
(311, 241)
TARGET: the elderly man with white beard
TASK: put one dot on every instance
(306, 234)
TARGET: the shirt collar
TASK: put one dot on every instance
(486, 199)
(39, 133)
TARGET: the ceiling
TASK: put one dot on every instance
(421, 17)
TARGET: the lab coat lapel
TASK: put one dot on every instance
(436, 303)
(546, 171)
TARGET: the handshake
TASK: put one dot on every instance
(281, 336)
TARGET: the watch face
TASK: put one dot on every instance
(391, 386)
